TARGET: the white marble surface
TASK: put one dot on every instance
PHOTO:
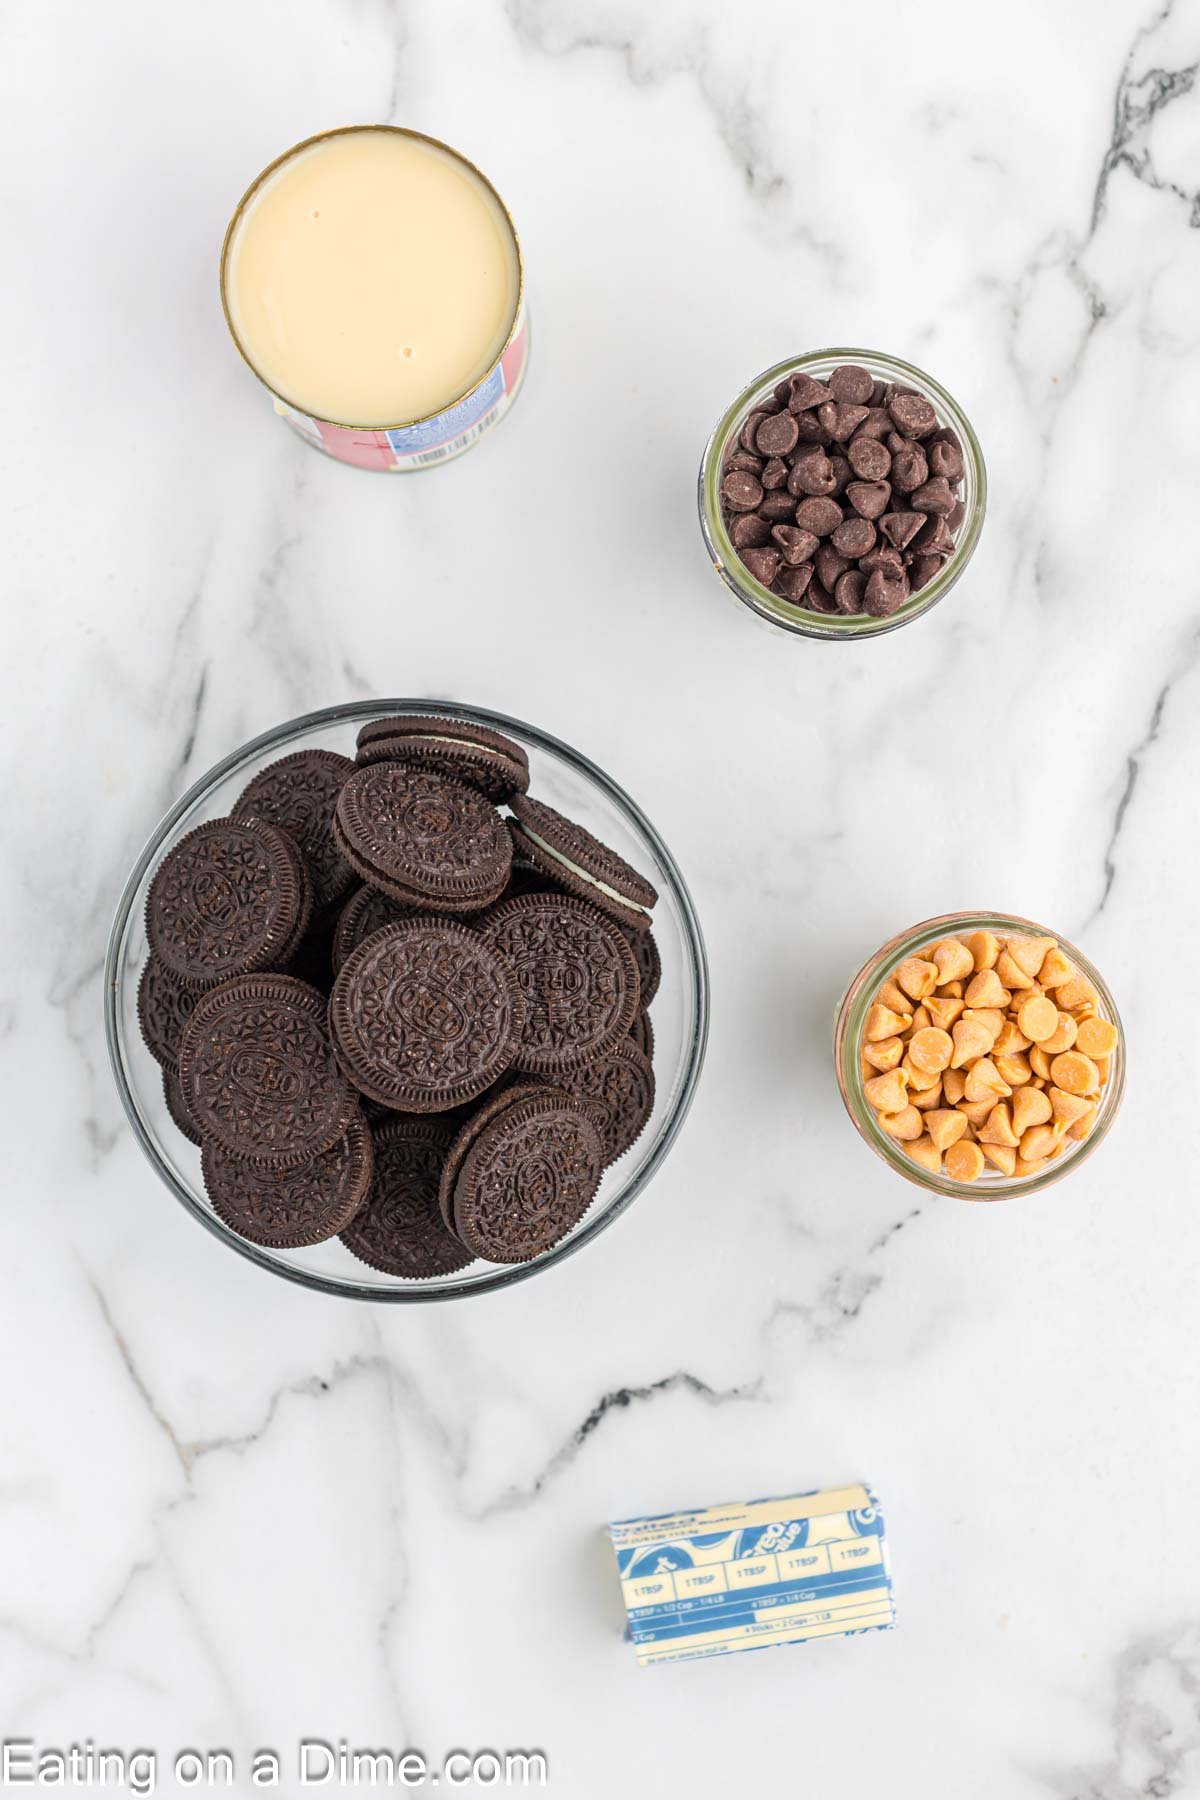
(234, 1514)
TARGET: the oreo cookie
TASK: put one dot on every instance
(577, 974)
(426, 1015)
(424, 839)
(289, 1209)
(649, 962)
(299, 793)
(641, 1033)
(365, 913)
(173, 1095)
(400, 1230)
(258, 1073)
(164, 1006)
(580, 863)
(528, 1177)
(227, 900)
(490, 1105)
(484, 759)
(619, 1093)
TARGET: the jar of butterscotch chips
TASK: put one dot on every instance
(980, 1055)
(842, 494)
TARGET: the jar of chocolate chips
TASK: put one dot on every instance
(842, 494)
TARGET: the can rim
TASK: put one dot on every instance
(286, 156)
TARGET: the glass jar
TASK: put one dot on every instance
(847, 1038)
(772, 607)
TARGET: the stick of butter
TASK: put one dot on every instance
(754, 1573)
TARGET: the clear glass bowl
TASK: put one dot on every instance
(991, 1185)
(799, 619)
(679, 1012)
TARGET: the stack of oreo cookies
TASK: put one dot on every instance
(388, 1012)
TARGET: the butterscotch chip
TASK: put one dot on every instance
(972, 1039)
(997, 1128)
(1010, 972)
(1030, 1106)
(1076, 993)
(986, 989)
(953, 960)
(951, 990)
(991, 1016)
(1096, 1037)
(890, 995)
(924, 1151)
(1029, 953)
(887, 1093)
(1010, 1041)
(1102, 1063)
(954, 1085)
(1015, 1069)
(907, 1124)
(1081, 1127)
(1002, 1155)
(1039, 1142)
(882, 1022)
(943, 1012)
(964, 1161)
(984, 948)
(1075, 1073)
(976, 1111)
(1037, 1018)
(1062, 1037)
(1024, 1168)
(985, 1082)
(924, 1098)
(922, 1019)
(1039, 1062)
(917, 978)
(945, 1126)
(1055, 969)
(885, 1053)
(1068, 1108)
(930, 1049)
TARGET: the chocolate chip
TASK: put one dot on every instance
(946, 460)
(747, 434)
(841, 474)
(934, 538)
(935, 496)
(909, 469)
(877, 424)
(851, 385)
(830, 566)
(854, 538)
(812, 473)
(882, 597)
(841, 422)
(957, 516)
(895, 442)
(779, 505)
(869, 498)
(850, 590)
(775, 437)
(811, 430)
(869, 459)
(806, 393)
(900, 528)
(885, 558)
(773, 405)
(793, 583)
(782, 392)
(762, 564)
(797, 546)
(819, 599)
(741, 490)
(914, 415)
(743, 460)
(922, 570)
(819, 515)
(749, 531)
(878, 394)
(774, 475)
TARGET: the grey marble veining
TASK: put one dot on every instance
(235, 1515)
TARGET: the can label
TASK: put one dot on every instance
(439, 439)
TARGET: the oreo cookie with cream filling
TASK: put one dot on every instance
(579, 862)
(483, 758)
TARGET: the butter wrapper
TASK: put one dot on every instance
(754, 1574)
